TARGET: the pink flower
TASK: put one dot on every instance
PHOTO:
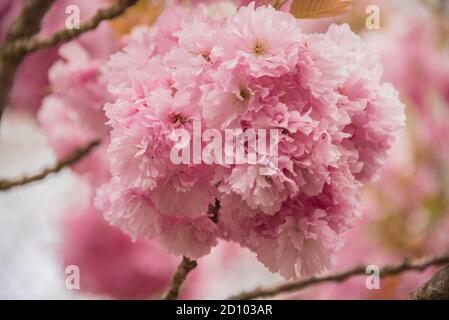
(224, 102)
(311, 236)
(77, 68)
(322, 93)
(187, 191)
(193, 238)
(135, 153)
(128, 209)
(260, 193)
(73, 118)
(66, 130)
(253, 42)
(141, 220)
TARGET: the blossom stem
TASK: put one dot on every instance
(212, 211)
(387, 271)
(179, 277)
(66, 162)
(188, 265)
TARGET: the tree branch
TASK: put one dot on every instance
(437, 288)
(188, 265)
(66, 162)
(27, 24)
(26, 46)
(19, 41)
(179, 277)
(343, 276)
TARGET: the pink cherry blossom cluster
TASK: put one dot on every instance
(255, 69)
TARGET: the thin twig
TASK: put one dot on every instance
(340, 277)
(20, 41)
(27, 24)
(188, 265)
(25, 46)
(66, 162)
(179, 277)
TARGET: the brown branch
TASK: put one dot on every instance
(179, 277)
(188, 265)
(66, 162)
(19, 41)
(25, 46)
(437, 288)
(340, 277)
(27, 24)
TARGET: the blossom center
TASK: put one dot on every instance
(178, 117)
(206, 56)
(243, 95)
(173, 91)
(258, 48)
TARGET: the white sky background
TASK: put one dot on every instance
(29, 215)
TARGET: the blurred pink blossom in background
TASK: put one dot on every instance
(32, 82)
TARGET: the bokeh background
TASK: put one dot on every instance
(47, 226)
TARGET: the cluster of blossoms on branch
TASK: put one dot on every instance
(253, 70)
